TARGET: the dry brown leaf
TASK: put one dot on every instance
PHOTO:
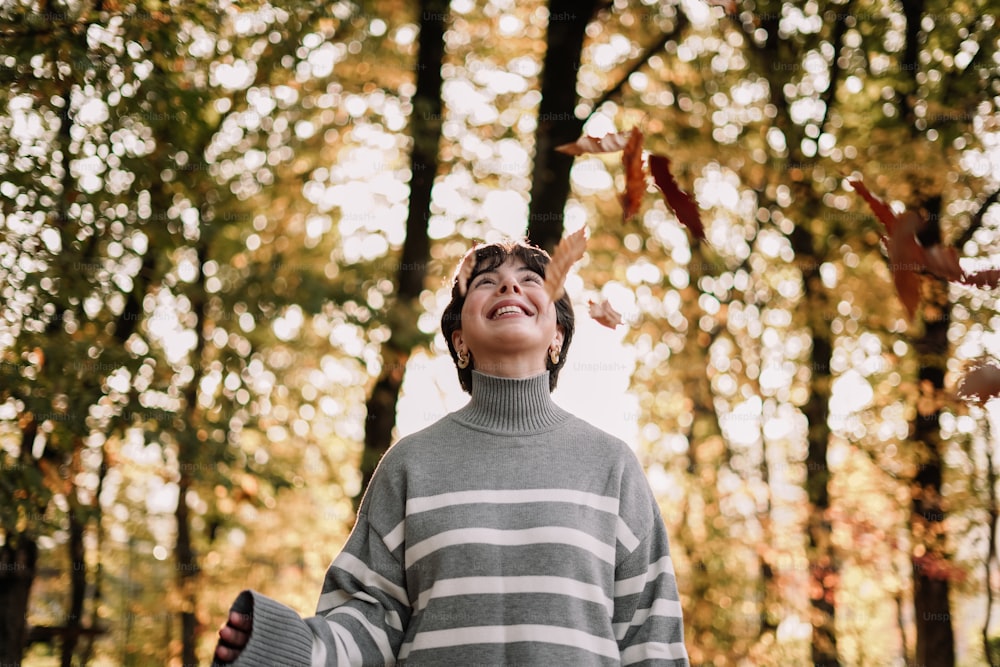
(981, 383)
(570, 250)
(604, 314)
(879, 208)
(609, 143)
(987, 278)
(464, 272)
(681, 203)
(943, 262)
(906, 259)
(635, 176)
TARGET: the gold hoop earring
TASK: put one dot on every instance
(462, 360)
(554, 356)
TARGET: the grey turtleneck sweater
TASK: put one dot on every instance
(507, 533)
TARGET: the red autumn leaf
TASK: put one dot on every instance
(942, 261)
(907, 257)
(906, 260)
(681, 203)
(609, 143)
(981, 383)
(987, 278)
(605, 314)
(908, 287)
(879, 207)
(635, 176)
(570, 249)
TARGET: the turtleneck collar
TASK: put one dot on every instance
(511, 405)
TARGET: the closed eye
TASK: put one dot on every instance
(527, 276)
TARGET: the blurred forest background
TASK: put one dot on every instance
(227, 234)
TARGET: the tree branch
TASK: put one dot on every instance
(839, 30)
(640, 62)
(977, 219)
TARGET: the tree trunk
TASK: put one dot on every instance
(186, 562)
(769, 588)
(86, 652)
(425, 131)
(77, 578)
(824, 565)
(709, 454)
(808, 242)
(17, 572)
(190, 440)
(931, 559)
(557, 121)
(991, 554)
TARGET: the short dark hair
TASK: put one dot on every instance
(487, 257)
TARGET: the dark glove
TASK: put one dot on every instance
(234, 635)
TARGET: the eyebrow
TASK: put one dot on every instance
(497, 269)
(523, 269)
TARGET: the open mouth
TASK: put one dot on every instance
(509, 309)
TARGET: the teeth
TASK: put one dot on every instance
(507, 309)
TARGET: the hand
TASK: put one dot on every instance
(233, 636)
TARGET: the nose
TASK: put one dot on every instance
(510, 283)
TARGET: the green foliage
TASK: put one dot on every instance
(156, 266)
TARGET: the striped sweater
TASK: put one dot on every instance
(507, 533)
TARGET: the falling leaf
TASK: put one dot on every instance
(609, 143)
(942, 261)
(988, 278)
(681, 203)
(464, 273)
(570, 249)
(906, 259)
(635, 177)
(605, 314)
(981, 382)
(879, 207)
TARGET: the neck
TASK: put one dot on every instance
(512, 366)
(511, 405)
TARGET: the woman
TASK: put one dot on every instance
(509, 532)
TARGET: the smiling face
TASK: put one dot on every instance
(508, 322)
(505, 321)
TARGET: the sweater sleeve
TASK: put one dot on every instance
(363, 609)
(647, 609)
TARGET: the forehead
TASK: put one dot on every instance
(516, 257)
(511, 263)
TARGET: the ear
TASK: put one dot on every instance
(457, 341)
(557, 340)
